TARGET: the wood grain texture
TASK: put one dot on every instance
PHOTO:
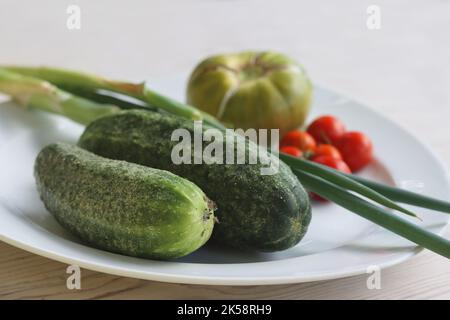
(27, 276)
(401, 69)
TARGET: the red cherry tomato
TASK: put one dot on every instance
(334, 163)
(326, 150)
(300, 139)
(326, 129)
(331, 162)
(293, 151)
(356, 149)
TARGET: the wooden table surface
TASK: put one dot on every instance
(402, 69)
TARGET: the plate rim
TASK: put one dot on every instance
(261, 280)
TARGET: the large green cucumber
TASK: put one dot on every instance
(260, 212)
(123, 207)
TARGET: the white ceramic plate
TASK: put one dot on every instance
(338, 243)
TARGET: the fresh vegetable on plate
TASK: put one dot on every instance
(332, 162)
(326, 150)
(42, 95)
(326, 129)
(348, 191)
(259, 212)
(293, 151)
(21, 82)
(327, 135)
(299, 139)
(260, 90)
(377, 215)
(356, 149)
(123, 207)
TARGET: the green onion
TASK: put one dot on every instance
(338, 178)
(106, 97)
(375, 214)
(29, 86)
(89, 85)
(79, 81)
(404, 196)
(31, 92)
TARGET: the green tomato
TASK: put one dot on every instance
(261, 90)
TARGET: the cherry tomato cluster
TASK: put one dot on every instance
(327, 141)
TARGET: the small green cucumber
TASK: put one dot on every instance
(256, 212)
(123, 207)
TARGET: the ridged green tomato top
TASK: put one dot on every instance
(251, 89)
(260, 212)
(123, 207)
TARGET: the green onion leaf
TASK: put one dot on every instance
(343, 181)
(375, 214)
(404, 196)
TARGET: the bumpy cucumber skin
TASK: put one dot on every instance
(256, 212)
(123, 207)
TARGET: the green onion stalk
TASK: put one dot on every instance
(42, 95)
(375, 214)
(85, 97)
(86, 84)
